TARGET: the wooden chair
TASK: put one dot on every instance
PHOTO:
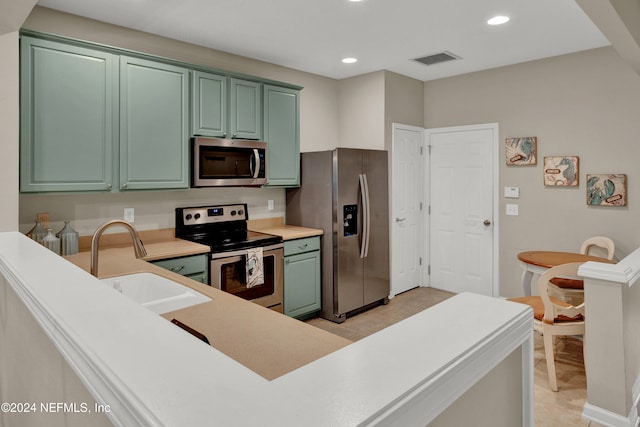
(601, 242)
(553, 317)
(572, 290)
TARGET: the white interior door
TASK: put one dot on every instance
(406, 208)
(463, 199)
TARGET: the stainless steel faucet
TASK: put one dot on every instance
(138, 247)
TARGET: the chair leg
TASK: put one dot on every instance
(549, 356)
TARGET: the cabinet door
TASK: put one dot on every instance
(282, 134)
(68, 117)
(209, 105)
(154, 149)
(302, 284)
(194, 266)
(246, 109)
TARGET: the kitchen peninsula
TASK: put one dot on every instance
(79, 341)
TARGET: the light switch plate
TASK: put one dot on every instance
(512, 209)
(511, 192)
(270, 205)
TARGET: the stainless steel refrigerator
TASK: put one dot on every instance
(345, 193)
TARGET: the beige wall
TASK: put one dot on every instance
(361, 107)
(9, 133)
(404, 103)
(584, 104)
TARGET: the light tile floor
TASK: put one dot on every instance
(562, 408)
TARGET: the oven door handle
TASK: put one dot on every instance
(243, 252)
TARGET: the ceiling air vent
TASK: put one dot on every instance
(436, 58)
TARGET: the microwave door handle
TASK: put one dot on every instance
(254, 167)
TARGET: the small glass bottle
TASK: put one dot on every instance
(68, 240)
(51, 242)
(37, 232)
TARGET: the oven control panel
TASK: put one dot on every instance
(213, 214)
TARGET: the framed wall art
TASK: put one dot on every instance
(561, 171)
(521, 151)
(607, 189)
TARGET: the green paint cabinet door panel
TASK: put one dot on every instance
(209, 104)
(282, 134)
(195, 267)
(302, 281)
(246, 109)
(68, 117)
(154, 140)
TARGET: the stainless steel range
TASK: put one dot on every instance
(224, 229)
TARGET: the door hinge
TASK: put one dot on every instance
(429, 149)
(420, 261)
(420, 205)
(421, 150)
(429, 210)
(429, 270)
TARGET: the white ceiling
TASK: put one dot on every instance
(314, 36)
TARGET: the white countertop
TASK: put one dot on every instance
(152, 373)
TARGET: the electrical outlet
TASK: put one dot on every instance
(43, 217)
(270, 205)
(129, 214)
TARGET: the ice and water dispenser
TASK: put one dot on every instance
(350, 215)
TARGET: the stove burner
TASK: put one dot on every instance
(223, 228)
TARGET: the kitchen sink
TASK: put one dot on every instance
(154, 292)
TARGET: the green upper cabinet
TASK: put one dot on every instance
(246, 109)
(209, 105)
(282, 134)
(68, 117)
(97, 118)
(154, 139)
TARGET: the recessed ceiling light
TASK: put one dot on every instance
(498, 20)
(349, 60)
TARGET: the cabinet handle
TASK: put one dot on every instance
(303, 246)
(109, 186)
(287, 261)
(176, 269)
(124, 185)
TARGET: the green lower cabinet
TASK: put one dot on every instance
(194, 267)
(302, 277)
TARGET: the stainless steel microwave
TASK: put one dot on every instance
(228, 162)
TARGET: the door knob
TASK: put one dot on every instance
(486, 222)
(400, 219)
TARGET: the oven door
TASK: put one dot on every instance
(228, 273)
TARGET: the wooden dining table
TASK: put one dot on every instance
(537, 262)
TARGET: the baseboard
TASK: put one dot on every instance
(611, 419)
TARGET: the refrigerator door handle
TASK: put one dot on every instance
(366, 216)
